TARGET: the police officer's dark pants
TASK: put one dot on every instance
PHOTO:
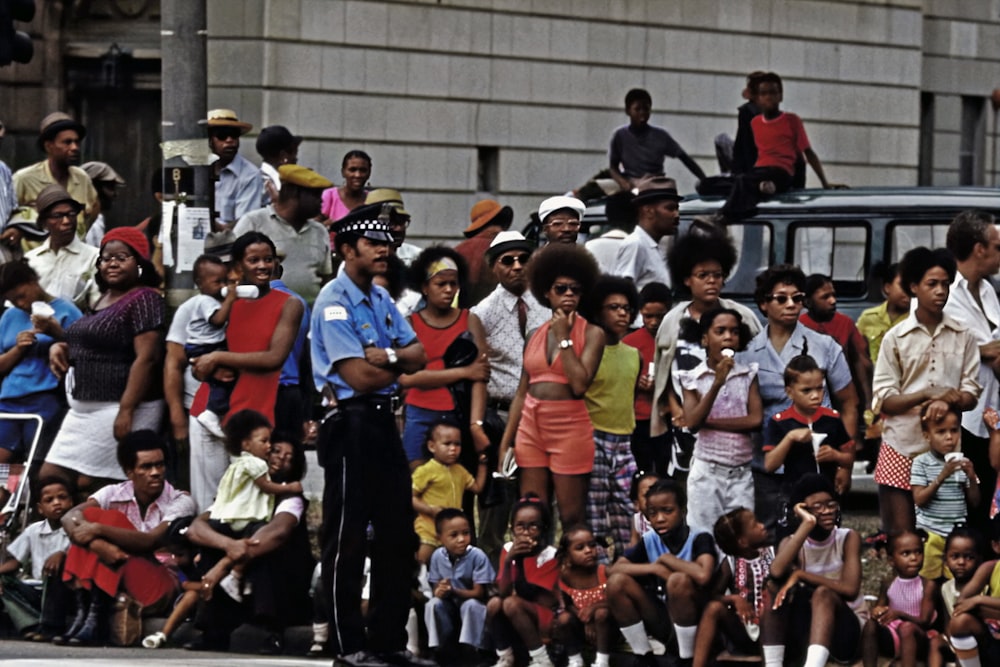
(367, 479)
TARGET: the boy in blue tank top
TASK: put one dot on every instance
(672, 561)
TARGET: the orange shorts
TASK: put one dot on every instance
(556, 435)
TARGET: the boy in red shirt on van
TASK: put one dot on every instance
(780, 138)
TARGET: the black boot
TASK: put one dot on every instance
(82, 607)
(95, 625)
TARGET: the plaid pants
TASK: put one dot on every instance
(609, 508)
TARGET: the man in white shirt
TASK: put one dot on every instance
(639, 255)
(65, 265)
(509, 313)
(974, 241)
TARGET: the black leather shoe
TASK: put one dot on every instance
(360, 659)
(273, 645)
(94, 625)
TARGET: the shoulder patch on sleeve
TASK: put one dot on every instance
(331, 313)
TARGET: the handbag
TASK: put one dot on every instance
(126, 621)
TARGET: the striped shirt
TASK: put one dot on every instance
(947, 507)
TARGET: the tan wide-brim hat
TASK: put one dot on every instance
(488, 212)
(225, 118)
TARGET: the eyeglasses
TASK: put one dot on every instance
(118, 258)
(223, 135)
(563, 224)
(526, 527)
(820, 508)
(508, 260)
(782, 299)
(615, 307)
(709, 275)
(68, 215)
(563, 288)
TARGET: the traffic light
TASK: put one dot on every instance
(15, 46)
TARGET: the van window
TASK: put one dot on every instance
(905, 236)
(753, 242)
(835, 249)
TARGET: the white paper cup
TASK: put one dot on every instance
(728, 352)
(753, 630)
(954, 456)
(818, 439)
(42, 309)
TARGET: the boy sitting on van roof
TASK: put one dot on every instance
(780, 138)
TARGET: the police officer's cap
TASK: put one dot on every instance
(369, 221)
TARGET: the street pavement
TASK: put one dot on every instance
(16, 653)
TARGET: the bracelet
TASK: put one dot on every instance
(478, 422)
(483, 459)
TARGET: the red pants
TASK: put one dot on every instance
(143, 578)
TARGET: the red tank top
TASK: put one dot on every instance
(251, 325)
(536, 361)
(435, 342)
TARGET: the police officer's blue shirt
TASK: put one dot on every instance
(345, 321)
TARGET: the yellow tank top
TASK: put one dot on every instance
(611, 396)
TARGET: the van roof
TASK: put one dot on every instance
(880, 199)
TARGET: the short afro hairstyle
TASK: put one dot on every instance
(447, 514)
(143, 440)
(966, 230)
(696, 247)
(241, 244)
(561, 259)
(606, 285)
(814, 282)
(638, 95)
(655, 293)
(918, 261)
(754, 82)
(779, 274)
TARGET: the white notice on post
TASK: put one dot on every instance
(192, 227)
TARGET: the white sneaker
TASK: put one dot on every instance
(505, 660)
(155, 640)
(541, 661)
(657, 646)
(212, 423)
(231, 586)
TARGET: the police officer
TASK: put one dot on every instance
(360, 346)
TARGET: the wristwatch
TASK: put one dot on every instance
(391, 353)
(565, 344)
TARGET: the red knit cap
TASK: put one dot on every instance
(131, 237)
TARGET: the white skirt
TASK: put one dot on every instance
(86, 442)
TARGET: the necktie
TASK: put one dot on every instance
(522, 317)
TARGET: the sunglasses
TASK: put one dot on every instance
(563, 288)
(508, 260)
(782, 299)
(222, 135)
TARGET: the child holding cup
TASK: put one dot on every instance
(944, 483)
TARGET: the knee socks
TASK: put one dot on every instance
(637, 640)
(967, 651)
(685, 640)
